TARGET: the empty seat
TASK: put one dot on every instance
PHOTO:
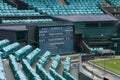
(42, 73)
(33, 55)
(67, 64)
(45, 58)
(24, 51)
(10, 49)
(56, 76)
(56, 62)
(4, 43)
(68, 76)
(29, 71)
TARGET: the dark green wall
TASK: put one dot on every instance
(31, 34)
(95, 30)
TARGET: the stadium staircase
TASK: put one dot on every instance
(62, 2)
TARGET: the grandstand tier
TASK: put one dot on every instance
(36, 34)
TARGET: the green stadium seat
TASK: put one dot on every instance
(18, 74)
(56, 76)
(10, 49)
(45, 58)
(4, 43)
(42, 73)
(56, 62)
(24, 51)
(32, 75)
(33, 55)
(2, 70)
(67, 64)
(68, 76)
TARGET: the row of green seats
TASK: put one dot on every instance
(68, 76)
(115, 3)
(19, 14)
(42, 73)
(2, 70)
(67, 64)
(56, 62)
(66, 70)
(25, 21)
(8, 10)
(18, 11)
(77, 6)
(45, 58)
(10, 49)
(29, 71)
(33, 55)
(24, 51)
(4, 43)
(96, 49)
(18, 74)
(97, 2)
(69, 13)
(55, 75)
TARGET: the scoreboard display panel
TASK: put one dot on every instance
(57, 39)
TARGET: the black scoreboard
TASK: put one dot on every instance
(57, 39)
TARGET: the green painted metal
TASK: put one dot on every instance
(24, 51)
(45, 58)
(95, 31)
(55, 75)
(68, 76)
(10, 49)
(2, 70)
(29, 71)
(56, 62)
(18, 74)
(67, 64)
(4, 43)
(33, 55)
(42, 73)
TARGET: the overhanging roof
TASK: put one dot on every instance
(87, 18)
(14, 28)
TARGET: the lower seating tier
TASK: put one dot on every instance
(42, 72)
(18, 74)
(2, 70)
(32, 75)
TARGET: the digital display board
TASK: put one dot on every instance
(58, 40)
